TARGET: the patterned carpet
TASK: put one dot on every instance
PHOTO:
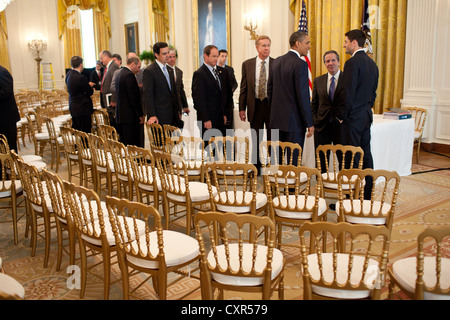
(423, 201)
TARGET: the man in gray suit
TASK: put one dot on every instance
(106, 58)
(253, 98)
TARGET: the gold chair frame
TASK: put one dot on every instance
(420, 117)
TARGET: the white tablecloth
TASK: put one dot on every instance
(392, 141)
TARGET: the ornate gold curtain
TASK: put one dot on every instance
(4, 57)
(329, 20)
(69, 26)
(160, 12)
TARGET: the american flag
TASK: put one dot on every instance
(365, 27)
(303, 26)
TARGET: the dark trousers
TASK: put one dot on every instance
(10, 132)
(82, 123)
(261, 118)
(293, 137)
(131, 135)
(329, 134)
(360, 138)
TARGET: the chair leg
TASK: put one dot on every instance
(83, 266)
(106, 271)
(47, 233)
(60, 245)
(162, 286)
(14, 217)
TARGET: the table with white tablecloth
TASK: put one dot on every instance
(392, 141)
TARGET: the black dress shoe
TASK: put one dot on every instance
(332, 206)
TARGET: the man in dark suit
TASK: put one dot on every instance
(97, 76)
(80, 92)
(177, 74)
(232, 84)
(129, 113)
(289, 97)
(253, 97)
(160, 99)
(8, 108)
(209, 95)
(106, 58)
(328, 95)
(360, 84)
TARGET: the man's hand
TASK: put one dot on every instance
(242, 115)
(310, 132)
(224, 119)
(153, 120)
(142, 120)
(208, 125)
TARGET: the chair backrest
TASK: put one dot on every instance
(100, 117)
(279, 153)
(419, 115)
(4, 145)
(121, 160)
(156, 136)
(99, 151)
(307, 183)
(171, 131)
(108, 132)
(190, 149)
(147, 245)
(84, 151)
(70, 140)
(361, 266)
(234, 237)
(173, 174)
(380, 207)
(336, 158)
(440, 236)
(143, 164)
(50, 128)
(32, 183)
(86, 211)
(56, 191)
(229, 149)
(241, 178)
(7, 173)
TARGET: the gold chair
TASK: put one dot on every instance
(36, 192)
(146, 176)
(99, 118)
(122, 169)
(71, 153)
(171, 132)
(156, 251)
(192, 151)
(279, 153)
(333, 158)
(156, 137)
(355, 273)
(237, 259)
(229, 149)
(238, 192)
(178, 190)
(420, 116)
(426, 276)
(57, 193)
(352, 207)
(102, 162)
(86, 163)
(10, 190)
(56, 143)
(40, 139)
(108, 132)
(290, 204)
(95, 231)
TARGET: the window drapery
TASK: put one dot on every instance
(4, 57)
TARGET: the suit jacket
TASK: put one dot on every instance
(289, 98)
(80, 92)
(8, 107)
(95, 78)
(210, 100)
(129, 107)
(360, 83)
(181, 94)
(158, 99)
(227, 73)
(322, 108)
(108, 77)
(248, 84)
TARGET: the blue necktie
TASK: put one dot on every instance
(332, 89)
(166, 73)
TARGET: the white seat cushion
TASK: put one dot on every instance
(197, 190)
(261, 201)
(7, 184)
(11, 287)
(290, 181)
(42, 136)
(260, 264)
(405, 272)
(140, 225)
(31, 158)
(179, 248)
(363, 219)
(282, 201)
(417, 134)
(333, 176)
(341, 275)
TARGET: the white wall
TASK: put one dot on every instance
(427, 67)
